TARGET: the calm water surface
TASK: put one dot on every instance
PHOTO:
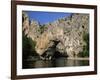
(60, 62)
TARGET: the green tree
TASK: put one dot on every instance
(28, 46)
(85, 52)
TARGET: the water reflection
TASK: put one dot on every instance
(60, 62)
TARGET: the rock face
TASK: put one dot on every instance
(30, 28)
(68, 31)
(25, 25)
(34, 30)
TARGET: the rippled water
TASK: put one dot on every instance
(60, 62)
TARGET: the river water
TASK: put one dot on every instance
(60, 62)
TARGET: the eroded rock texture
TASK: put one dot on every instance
(67, 31)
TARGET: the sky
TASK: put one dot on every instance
(46, 17)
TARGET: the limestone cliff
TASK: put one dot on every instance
(68, 31)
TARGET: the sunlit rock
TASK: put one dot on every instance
(68, 31)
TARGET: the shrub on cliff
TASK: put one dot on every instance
(28, 46)
(85, 52)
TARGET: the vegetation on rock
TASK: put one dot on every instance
(85, 52)
(28, 46)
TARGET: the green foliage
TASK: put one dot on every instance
(42, 28)
(28, 46)
(85, 52)
(86, 38)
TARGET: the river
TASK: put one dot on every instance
(60, 62)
